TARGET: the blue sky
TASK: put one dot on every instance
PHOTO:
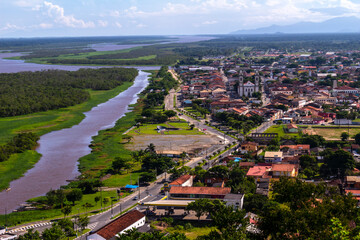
(45, 18)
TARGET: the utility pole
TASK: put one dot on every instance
(139, 187)
(101, 200)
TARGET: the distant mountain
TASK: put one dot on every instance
(334, 25)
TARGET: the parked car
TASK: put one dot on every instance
(135, 198)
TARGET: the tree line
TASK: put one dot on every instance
(154, 95)
(28, 92)
(18, 144)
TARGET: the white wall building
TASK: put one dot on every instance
(130, 220)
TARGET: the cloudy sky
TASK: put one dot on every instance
(41, 18)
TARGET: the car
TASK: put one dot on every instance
(135, 198)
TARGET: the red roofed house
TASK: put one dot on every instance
(198, 192)
(284, 170)
(258, 172)
(294, 150)
(130, 220)
(183, 181)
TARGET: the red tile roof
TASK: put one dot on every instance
(258, 171)
(181, 180)
(200, 190)
(297, 147)
(283, 167)
(113, 228)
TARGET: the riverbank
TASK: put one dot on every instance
(42, 123)
(91, 165)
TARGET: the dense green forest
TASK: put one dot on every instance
(29, 92)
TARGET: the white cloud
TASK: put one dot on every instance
(117, 24)
(57, 13)
(102, 23)
(210, 22)
(140, 25)
(45, 25)
(9, 26)
(27, 3)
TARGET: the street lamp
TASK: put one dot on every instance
(112, 200)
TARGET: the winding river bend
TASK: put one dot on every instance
(61, 149)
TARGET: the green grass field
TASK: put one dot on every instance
(279, 129)
(86, 55)
(17, 218)
(150, 129)
(42, 123)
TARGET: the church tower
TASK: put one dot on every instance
(241, 84)
(257, 82)
(335, 84)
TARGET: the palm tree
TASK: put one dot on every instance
(151, 148)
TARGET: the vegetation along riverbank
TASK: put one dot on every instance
(15, 163)
(110, 163)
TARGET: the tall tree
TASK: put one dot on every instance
(74, 195)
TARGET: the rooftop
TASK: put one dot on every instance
(181, 180)
(258, 171)
(283, 167)
(113, 228)
(200, 190)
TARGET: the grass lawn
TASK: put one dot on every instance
(190, 110)
(192, 233)
(150, 129)
(17, 218)
(279, 129)
(124, 179)
(42, 123)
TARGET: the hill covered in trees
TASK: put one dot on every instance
(29, 92)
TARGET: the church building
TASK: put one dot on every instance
(248, 88)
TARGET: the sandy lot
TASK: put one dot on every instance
(187, 143)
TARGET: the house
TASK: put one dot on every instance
(183, 181)
(198, 192)
(283, 170)
(234, 200)
(294, 150)
(246, 165)
(247, 147)
(355, 193)
(292, 128)
(131, 220)
(273, 156)
(258, 172)
(352, 182)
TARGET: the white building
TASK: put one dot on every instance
(130, 220)
(248, 88)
